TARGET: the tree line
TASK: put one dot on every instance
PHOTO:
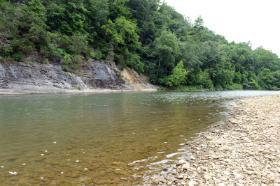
(146, 35)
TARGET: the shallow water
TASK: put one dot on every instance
(99, 139)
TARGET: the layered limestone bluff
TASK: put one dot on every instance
(50, 78)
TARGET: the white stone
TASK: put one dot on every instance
(181, 162)
(13, 173)
(192, 183)
(186, 166)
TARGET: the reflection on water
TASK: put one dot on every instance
(98, 139)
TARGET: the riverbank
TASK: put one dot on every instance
(93, 77)
(245, 150)
(72, 91)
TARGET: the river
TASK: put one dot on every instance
(100, 139)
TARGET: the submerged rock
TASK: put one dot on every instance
(13, 173)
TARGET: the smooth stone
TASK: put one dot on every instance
(186, 166)
(13, 173)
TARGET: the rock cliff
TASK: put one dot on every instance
(35, 77)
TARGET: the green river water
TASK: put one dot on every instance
(94, 139)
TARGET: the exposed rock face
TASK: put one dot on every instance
(244, 151)
(50, 77)
(134, 80)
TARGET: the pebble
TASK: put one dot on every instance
(181, 162)
(180, 176)
(23, 164)
(192, 183)
(54, 142)
(85, 169)
(2, 166)
(77, 161)
(171, 155)
(13, 173)
(160, 152)
(186, 166)
(241, 150)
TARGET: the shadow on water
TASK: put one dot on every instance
(99, 139)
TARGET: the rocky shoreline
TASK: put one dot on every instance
(93, 77)
(71, 91)
(244, 150)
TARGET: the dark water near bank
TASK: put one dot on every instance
(96, 139)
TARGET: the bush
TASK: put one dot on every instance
(178, 76)
(71, 63)
(234, 86)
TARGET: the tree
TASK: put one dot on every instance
(145, 12)
(146, 35)
(177, 77)
(166, 50)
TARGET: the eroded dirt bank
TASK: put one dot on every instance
(243, 151)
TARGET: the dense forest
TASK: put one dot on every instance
(146, 35)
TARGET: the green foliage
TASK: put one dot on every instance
(146, 35)
(165, 51)
(270, 80)
(122, 32)
(71, 63)
(177, 77)
(203, 79)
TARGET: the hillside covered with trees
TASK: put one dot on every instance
(146, 35)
